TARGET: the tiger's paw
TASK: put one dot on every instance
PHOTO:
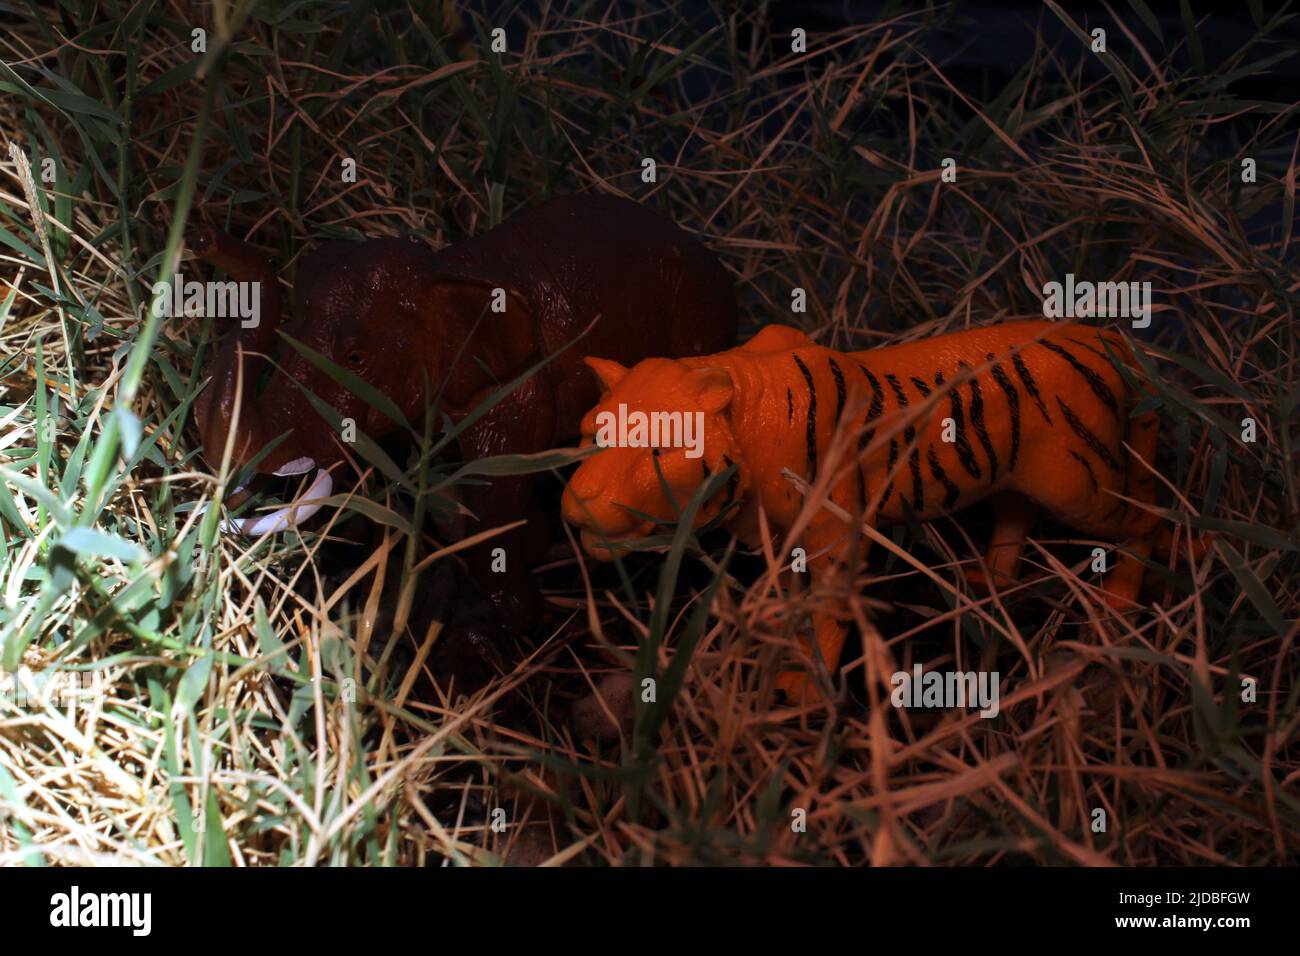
(978, 578)
(799, 688)
(1122, 603)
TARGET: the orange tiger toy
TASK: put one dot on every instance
(1023, 410)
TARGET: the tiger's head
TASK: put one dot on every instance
(663, 429)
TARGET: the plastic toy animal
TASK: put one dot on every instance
(406, 318)
(1030, 413)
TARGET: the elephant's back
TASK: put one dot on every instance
(640, 285)
(637, 284)
(611, 258)
(651, 287)
(578, 258)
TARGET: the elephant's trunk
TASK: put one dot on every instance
(240, 360)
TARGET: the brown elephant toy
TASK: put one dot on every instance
(398, 315)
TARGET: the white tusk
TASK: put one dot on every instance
(203, 508)
(291, 514)
(299, 466)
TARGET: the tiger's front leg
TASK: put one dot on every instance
(834, 555)
(802, 686)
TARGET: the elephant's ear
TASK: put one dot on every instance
(487, 335)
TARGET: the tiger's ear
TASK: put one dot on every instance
(715, 388)
(608, 371)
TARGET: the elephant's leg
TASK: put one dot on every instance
(501, 565)
(472, 644)
(522, 423)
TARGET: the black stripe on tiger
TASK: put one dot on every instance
(909, 434)
(923, 387)
(1013, 406)
(811, 428)
(964, 452)
(1089, 439)
(1091, 348)
(918, 483)
(1087, 465)
(899, 394)
(789, 406)
(873, 412)
(1027, 380)
(977, 423)
(839, 390)
(733, 483)
(889, 470)
(840, 396)
(951, 491)
(1095, 381)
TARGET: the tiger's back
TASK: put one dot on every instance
(1032, 407)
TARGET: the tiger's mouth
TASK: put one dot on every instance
(602, 545)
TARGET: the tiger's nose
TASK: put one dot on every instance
(571, 507)
(585, 484)
(581, 496)
(586, 504)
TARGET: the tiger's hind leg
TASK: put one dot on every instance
(1097, 487)
(1135, 528)
(1013, 516)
